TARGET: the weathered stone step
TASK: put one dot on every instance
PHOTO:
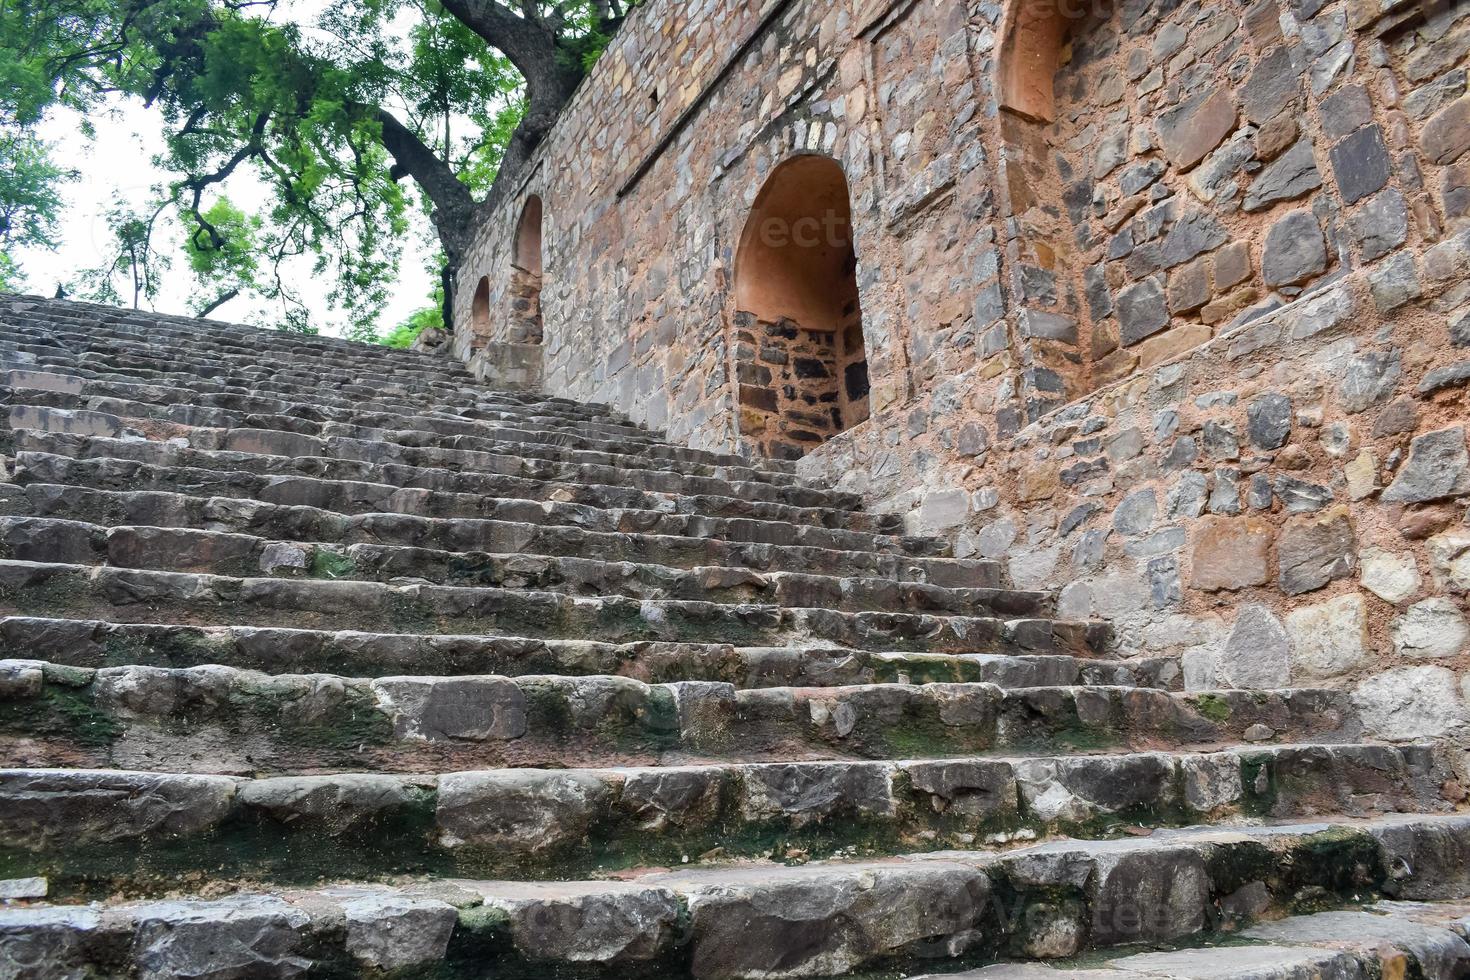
(92, 320)
(468, 416)
(751, 922)
(352, 458)
(480, 428)
(133, 595)
(639, 490)
(1386, 939)
(744, 544)
(406, 441)
(308, 499)
(232, 554)
(84, 643)
(347, 389)
(307, 401)
(42, 334)
(105, 832)
(218, 719)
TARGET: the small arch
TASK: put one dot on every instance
(526, 323)
(1032, 39)
(480, 309)
(801, 363)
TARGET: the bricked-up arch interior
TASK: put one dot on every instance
(801, 366)
(526, 325)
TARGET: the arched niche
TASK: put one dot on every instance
(802, 368)
(480, 309)
(526, 325)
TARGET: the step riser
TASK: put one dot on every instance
(83, 830)
(795, 923)
(210, 552)
(514, 436)
(248, 471)
(129, 596)
(310, 526)
(331, 501)
(93, 644)
(89, 435)
(219, 720)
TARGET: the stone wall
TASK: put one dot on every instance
(1176, 320)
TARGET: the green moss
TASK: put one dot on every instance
(1213, 707)
(333, 565)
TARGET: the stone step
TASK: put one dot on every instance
(335, 386)
(308, 499)
(1386, 939)
(83, 643)
(397, 438)
(135, 595)
(205, 401)
(222, 720)
(108, 832)
(476, 428)
(750, 922)
(555, 529)
(40, 330)
(637, 490)
(354, 458)
(224, 553)
(310, 526)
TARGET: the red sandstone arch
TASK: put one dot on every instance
(527, 256)
(801, 361)
(1033, 34)
(526, 325)
(480, 309)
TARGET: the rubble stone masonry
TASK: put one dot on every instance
(1164, 303)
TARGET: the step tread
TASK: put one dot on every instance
(744, 920)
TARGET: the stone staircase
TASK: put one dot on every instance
(323, 660)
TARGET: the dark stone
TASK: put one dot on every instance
(1191, 130)
(1345, 111)
(1438, 469)
(1361, 164)
(1182, 454)
(810, 367)
(1142, 311)
(1447, 133)
(1380, 225)
(1136, 514)
(761, 398)
(974, 439)
(1316, 552)
(1268, 421)
(1290, 176)
(1300, 497)
(1189, 287)
(1274, 85)
(1221, 441)
(1099, 298)
(1460, 329)
(1194, 234)
(1399, 417)
(1077, 517)
(1140, 176)
(1261, 493)
(1164, 584)
(1449, 376)
(1369, 379)
(1295, 251)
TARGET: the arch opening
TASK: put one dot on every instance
(480, 310)
(801, 363)
(526, 325)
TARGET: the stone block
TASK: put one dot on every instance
(1315, 551)
(1295, 251)
(1330, 639)
(1231, 554)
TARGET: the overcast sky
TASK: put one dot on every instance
(119, 162)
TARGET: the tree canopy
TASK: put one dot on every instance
(337, 109)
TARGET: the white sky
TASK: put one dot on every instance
(119, 162)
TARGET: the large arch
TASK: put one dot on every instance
(801, 363)
(526, 325)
